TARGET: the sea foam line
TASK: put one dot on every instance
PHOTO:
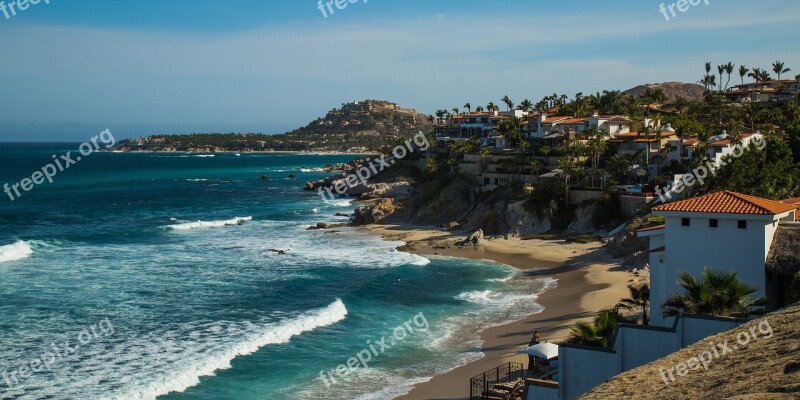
(17, 251)
(209, 224)
(190, 375)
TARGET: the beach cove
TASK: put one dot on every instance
(588, 280)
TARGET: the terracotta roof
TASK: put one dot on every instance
(653, 228)
(727, 202)
(627, 135)
(721, 143)
(574, 121)
(690, 141)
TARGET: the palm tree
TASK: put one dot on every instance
(778, 68)
(526, 105)
(717, 293)
(455, 111)
(440, 114)
(639, 300)
(728, 70)
(600, 333)
(479, 109)
(484, 152)
(508, 102)
(536, 168)
(721, 70)
(743, 72)
(468, 107)
(568, 165)
(755, 74)
(705, 79)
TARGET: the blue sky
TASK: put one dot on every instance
(72, 68)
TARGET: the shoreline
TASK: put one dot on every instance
(588, 280)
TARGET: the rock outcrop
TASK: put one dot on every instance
(474, 239)
(378, 212)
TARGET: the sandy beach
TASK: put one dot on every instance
(589, 280)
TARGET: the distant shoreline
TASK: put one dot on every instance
(320, 152)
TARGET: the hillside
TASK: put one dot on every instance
(355, 127)
(673, 90)
(767, 368)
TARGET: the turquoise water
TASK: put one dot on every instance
(157, 270)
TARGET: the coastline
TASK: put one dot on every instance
(259, 152)
(588, 280)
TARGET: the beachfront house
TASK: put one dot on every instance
(723, 230)
(727, 231)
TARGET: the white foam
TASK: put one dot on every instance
(311, 170)
(209, 224)
(17, 251)
(205, 155)
(340, 202)
(190, 367)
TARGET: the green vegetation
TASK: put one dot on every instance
(599, 333)
(585, 239)
(542, 236)
(716, 293)
(639, 300)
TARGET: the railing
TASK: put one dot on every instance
(479, 386)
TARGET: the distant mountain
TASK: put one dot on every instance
(357, 126)
(369, 123)
(673, 90)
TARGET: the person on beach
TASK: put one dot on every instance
(535, 339)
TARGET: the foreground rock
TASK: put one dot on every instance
(768, 368)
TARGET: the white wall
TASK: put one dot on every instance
(582, 369)
(726, 247)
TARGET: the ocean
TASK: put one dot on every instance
(153, 276)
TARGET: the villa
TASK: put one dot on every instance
(543, 126)
(758, 92)
(726, 231)
(720, 146)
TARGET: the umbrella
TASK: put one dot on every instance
(545, 351)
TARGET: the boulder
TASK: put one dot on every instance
(475, 239)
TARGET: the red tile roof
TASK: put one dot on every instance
(727, 202)
(653, 228)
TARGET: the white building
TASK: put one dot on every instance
(726, 231)
(723, 230)
(543, 125)
(720, 146)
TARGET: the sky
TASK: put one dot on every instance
(71, 68)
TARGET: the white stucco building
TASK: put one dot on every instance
(726, 231)
(723, 230)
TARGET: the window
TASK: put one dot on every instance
(742, 224)
(713, 223)
(685, 222)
